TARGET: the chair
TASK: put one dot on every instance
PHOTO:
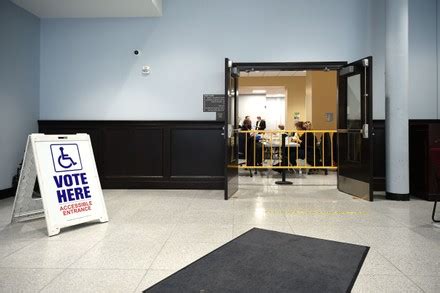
(314, 155)
(435, 161)
(242, 150)
(326, 146)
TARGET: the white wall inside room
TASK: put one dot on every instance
(253, 106)
(88, 70)
(271, 109)
(275, 112)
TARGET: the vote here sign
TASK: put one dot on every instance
(68, 180)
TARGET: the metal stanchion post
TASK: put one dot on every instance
(284, 162)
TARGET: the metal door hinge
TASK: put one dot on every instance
(365, 62)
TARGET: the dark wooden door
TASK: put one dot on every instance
(230, 129)
(355, 124)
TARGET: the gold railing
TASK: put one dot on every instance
(306, 149)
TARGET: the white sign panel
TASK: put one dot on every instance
(70, 190)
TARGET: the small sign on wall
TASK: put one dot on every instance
(329, 116)
(69, 184)
(213, 103)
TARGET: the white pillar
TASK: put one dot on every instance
(396, 91)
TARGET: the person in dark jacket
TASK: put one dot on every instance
(261, 124)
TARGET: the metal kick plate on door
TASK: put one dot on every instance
(354, 187)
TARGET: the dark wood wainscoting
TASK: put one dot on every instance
(424, 138)
(5, 193)
(152, 154)
(379, 171)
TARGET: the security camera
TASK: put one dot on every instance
(136, 52)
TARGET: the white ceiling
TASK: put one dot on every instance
(272, 73)
(91, 8)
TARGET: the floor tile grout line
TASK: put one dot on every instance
(394, 265)
(83, 254)
(288, 222)
(53, 279)
(157, 255)
(166, 240)
(378, 251)
(15, 251)
(140, 282)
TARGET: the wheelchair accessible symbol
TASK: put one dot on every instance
(66, 157)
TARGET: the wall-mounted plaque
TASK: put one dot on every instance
(213, 103)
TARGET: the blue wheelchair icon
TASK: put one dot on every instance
(65, 161)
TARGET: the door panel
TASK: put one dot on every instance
(230, 130)
(355, 119)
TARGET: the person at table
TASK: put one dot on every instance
(252, 145)
(240, 125)
(306, 142)
(247, 124)
(294, 137)
(261, 124)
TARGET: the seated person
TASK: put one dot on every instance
(247, 147)
(306, 141)
(295, 137)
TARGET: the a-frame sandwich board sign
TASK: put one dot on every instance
(68, 179)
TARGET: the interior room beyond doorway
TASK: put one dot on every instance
(282, 99)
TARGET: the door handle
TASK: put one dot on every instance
(349, 130)
(365, 131)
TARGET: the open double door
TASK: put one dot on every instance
(230, 129)
(355, 127)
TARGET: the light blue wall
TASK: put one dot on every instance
(376, 45)
(19, 85)
(88, 70)
(438, 55)
(422, 99)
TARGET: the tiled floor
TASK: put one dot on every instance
(153, 233)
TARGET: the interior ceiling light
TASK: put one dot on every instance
(258, 91)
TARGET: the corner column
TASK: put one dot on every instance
(396, 93)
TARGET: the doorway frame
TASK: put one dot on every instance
(288, 66)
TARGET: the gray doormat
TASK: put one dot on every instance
(269, 261)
